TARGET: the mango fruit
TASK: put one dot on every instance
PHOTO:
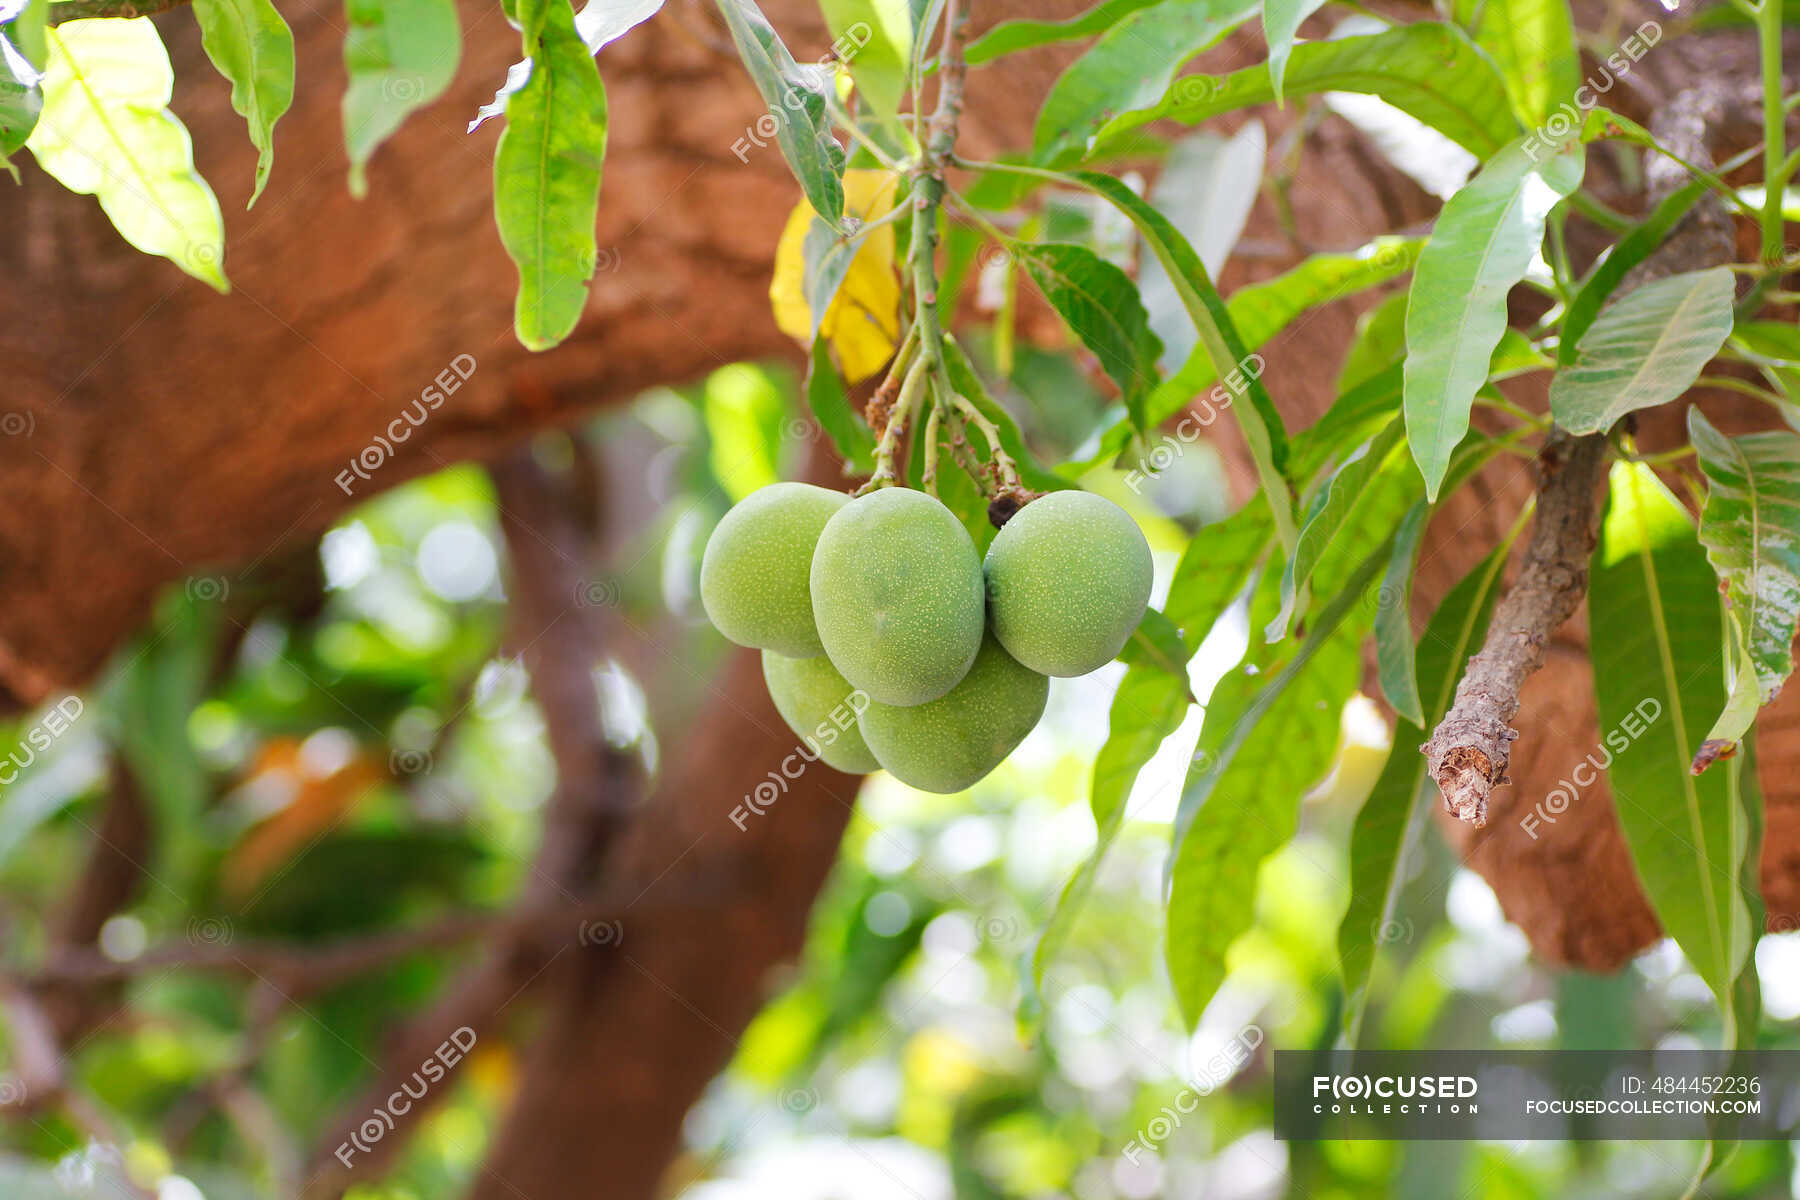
(1068, 578)
(822, 708)
(898, 596)
(754, 572)
(951, 743)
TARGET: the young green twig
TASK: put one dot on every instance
(933, 430)
(1775, 160)
(1005, 468)
(887, 473)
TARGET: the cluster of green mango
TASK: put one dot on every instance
(887, 640)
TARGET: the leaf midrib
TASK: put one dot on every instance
(80, 77)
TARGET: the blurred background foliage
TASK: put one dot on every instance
(341, 741)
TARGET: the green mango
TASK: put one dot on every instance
(953, 742)
(897, 590)
(822, 708)
(754, 573)
(1068, 578)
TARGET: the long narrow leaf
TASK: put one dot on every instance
(795, 96)
(106, 131)
(1657, 678)
(1100, 303)
(1281, 21)
(1128, 68)
(1329, 513)
(1644, 350)
(1394, 813)
(1262, 310)
(1533, 43)
(1429, 71)
(252, 47)
(1395, 662)
(1264, 744)
(400, 56)
(547, 175)
(1631, 250)
(1149, 706)
(1751, 529)
(1009, 37)
(1483, 243)
(1260, 423)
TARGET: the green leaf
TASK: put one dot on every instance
(547, 175)
(106, 131)
(252, 47)
(1657, 678)
(1429, 71)
(1360, 411)
(1149, 706)
(831, 408)
(1484, 241)
(1281, 21)
(1128, 68)
(1009, 37)
(1643, 350)
(1395, 663)
(1328, 514)
(1215, 568)
(1394, 814)
(1750, 527)
(1637, 245)
(1260, 423)
(1380, 343)
(826, 258)
(1100, 304)
(1263, 745)
(1353, 417)
(21, 99)
(1261, 310)
(795, 96)
(400, 56)
(1156, 642)
(875, 37)
(1533, 44)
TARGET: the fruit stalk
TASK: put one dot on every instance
(932, 433)
(886, 473)
(929, 189)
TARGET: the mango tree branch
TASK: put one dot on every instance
(75, 10)
(1470, 749)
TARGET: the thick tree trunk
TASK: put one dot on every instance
(153, 429)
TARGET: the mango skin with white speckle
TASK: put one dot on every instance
(898, 596)
(754, 574)
(1068, 578)
(821, 707)
(952, 743)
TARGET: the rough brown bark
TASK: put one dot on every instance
(1470, 748)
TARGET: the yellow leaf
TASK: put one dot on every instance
(862, 326)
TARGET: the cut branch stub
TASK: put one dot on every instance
(1469, 751)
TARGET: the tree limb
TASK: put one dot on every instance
(1470, 749)
(76, 10)
(557, 624)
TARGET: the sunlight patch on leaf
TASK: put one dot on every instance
(106, 131)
